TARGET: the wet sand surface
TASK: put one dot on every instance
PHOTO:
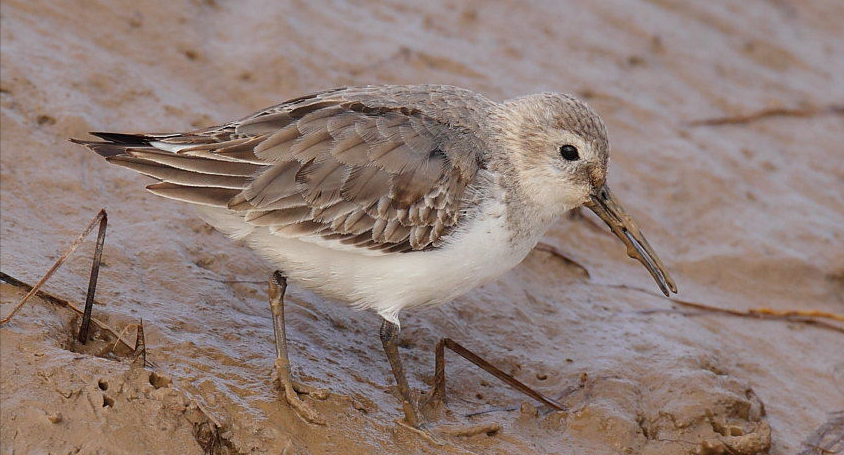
(746, 213)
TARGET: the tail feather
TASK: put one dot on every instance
(210, 196)
(105, 149)
(189, 166)
(178, 176)
(199, 164)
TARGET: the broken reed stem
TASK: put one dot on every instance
(140, 345)
(102, 218)
(122, 332)
(798, 313)
(92, 281)
(65, 303)
(466, 431)
(56, 265)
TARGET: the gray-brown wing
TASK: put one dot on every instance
(385, 168)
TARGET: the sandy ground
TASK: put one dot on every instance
(745, 214)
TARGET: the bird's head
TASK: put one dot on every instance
(560, 147)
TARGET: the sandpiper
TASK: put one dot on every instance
(390, 197)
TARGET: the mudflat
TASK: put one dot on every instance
(726, 127)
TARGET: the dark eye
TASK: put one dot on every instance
(569, 152)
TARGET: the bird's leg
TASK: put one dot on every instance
(278, 285)
(389, 339)
(437, 395)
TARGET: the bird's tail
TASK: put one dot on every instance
(196, 168)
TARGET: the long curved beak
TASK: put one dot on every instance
(604, 204)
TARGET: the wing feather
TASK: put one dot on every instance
(384, 168)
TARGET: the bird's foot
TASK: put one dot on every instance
(313, 392)
(431, 405)
(291, 391)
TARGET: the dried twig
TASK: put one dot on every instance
(122, 332)
(140, 345)
(62, 302)
(835, 109)
(491, 410)
(438, 388)
(799, 313)
(6, 278)
(92, 281)
(804, 316)
(56, 265)
(490, 429)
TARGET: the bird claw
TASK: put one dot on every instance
(305, 411)
(291, 390)
(313, 392)
(431, 406)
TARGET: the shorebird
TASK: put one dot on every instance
(390, 197)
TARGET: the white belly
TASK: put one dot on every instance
(480, 252)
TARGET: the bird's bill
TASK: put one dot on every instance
(606, 206)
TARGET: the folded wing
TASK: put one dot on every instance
(384, 168)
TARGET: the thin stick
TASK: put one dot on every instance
(800, 313)
(56, 265)
(768, 113)
(438, 389)
(490, 410)
(141, 345)
(122, 332)
(62, 302)
(92, 281)
(490, 428)
(757, 313)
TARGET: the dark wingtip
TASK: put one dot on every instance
(116, 143)
(105, 149)
(122, 138)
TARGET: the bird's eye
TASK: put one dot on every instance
(569, 152)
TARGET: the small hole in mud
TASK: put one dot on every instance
(158, 381)
(45, 120)
(108, 402)
(103, 385)
(99, 344)
(541, 376)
